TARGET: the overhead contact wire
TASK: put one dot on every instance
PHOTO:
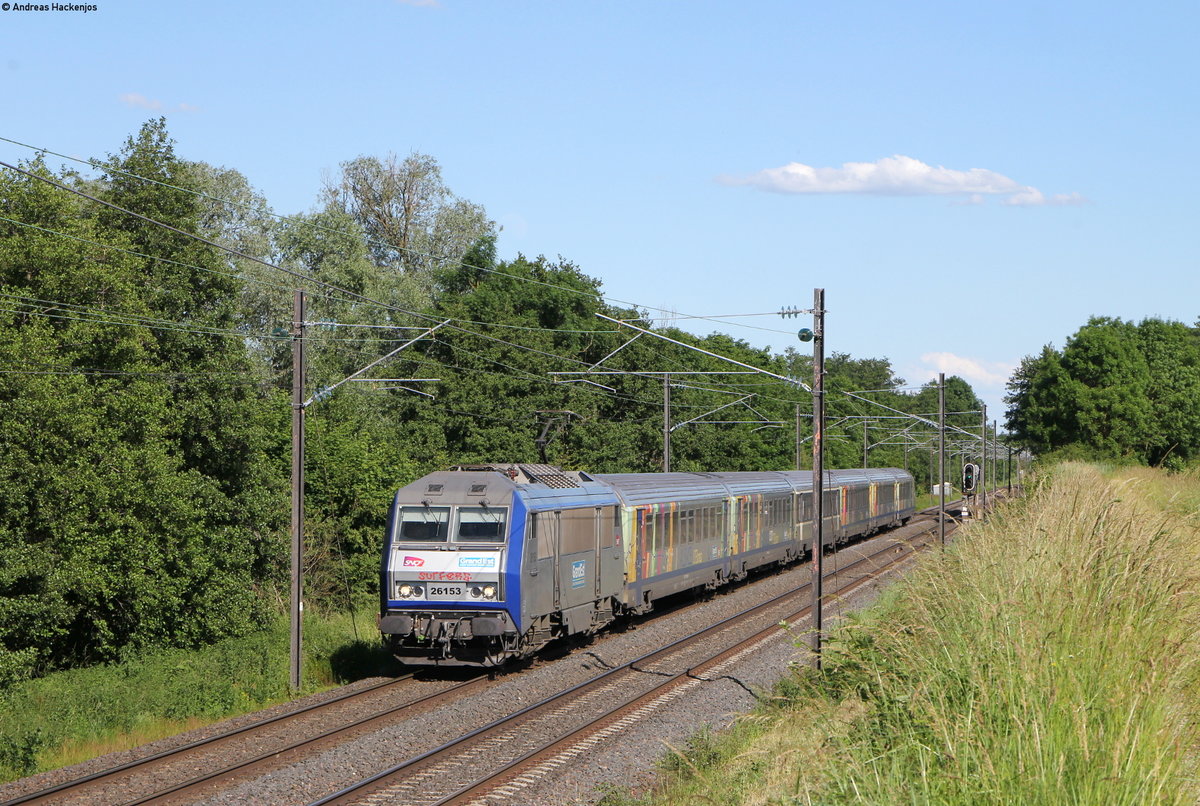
(408, 250)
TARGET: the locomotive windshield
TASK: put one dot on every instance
(480, 525)
(424, 524)
(433, 525)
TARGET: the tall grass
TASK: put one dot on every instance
(74, 715)
(1049, 656)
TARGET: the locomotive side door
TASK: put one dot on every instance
(575, 582)
(540, 563)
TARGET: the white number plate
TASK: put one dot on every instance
(443, 592)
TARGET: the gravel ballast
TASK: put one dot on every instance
(627, 760)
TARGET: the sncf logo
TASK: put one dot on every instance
(413, 562)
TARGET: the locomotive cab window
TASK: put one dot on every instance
(423, 524)
(480, 525)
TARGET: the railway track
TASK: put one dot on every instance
(500, 759)
(184, 773)
(573, 720)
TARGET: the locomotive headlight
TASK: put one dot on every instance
(476, 591)
(489, 591)
(406, 591)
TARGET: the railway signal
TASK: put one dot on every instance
(970, 477)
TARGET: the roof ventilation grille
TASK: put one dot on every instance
(550, 476)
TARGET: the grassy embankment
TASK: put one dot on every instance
(71, 716)
(1050, 656)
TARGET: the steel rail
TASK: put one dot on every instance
(121, 772)
(140, 766)
(532, 760)
(445, 751)
(275, 757)
(110, 772)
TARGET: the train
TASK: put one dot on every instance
(484, 564)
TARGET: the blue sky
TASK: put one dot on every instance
(968, 181)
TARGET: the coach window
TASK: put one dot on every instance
(424, 524)
(481, 524)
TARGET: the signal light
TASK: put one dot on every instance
(970, 472)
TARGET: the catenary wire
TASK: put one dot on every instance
(135, 253)
(265, 263)
(670, 314)
(227, 249)
(216, 245)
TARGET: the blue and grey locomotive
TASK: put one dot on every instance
(486, 563)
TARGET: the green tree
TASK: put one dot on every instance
(1172, 354)
(1116, 390)
(139, 464)
(1111, 380)
(411, 218)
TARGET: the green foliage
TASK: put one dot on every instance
(1116, 390)
(137, 493)
(54, 719)
(145, 391)
(1047, 657)
(411, 219)
(703, 752)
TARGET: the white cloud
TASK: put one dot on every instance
(139, 100)
(898, 175)
(1032, 197)
(985, 373)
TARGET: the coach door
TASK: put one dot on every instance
(802, 520)
(728, 534)
(611, 572)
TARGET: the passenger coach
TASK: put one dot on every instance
(485, 563)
